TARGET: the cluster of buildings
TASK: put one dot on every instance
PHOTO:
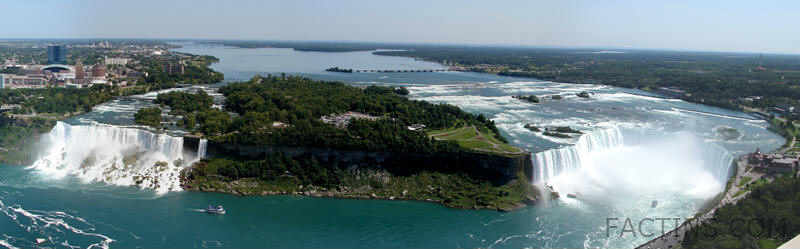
(342, 120)
(54, 75)
(57, 73)
(773, 163)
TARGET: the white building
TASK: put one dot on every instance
(99, 82)
(116, 61)
(23, 81)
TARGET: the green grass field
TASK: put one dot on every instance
(745, 180)
(471, 138)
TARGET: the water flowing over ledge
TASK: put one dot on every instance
(584, 153)
(550, 163)
(116, 155)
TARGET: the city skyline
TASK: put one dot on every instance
(732, 26)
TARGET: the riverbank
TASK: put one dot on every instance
(450, 190)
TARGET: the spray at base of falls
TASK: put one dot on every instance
(116, 155)
(604, 153)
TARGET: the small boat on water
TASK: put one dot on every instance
(215, 210)
(654, 204)
(572, 195)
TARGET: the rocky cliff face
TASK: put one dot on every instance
(496, 168)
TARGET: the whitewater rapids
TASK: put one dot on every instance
(116, 155)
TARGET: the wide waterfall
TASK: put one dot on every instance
(550, 163)
(596, 150)
(115, 155)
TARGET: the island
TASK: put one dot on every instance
(557, 131)
(528, 98)
(292, 135)
(339, 70)
(533, 128)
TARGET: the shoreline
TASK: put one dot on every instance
(372, 196)
(249, 187)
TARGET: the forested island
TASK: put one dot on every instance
(339, 70)
(293, 135)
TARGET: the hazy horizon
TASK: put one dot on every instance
(731, 26)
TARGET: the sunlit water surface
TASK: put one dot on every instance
(637, 149)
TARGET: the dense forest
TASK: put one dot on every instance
(148, 116)
(56, 100)
(768, 217)
(182, 102)
(288, 110)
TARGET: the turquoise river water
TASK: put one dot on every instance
(637, 148)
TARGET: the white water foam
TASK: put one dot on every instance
(5, 244)
(52, 225)
(115, 155)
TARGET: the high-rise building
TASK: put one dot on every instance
(56, 54)
(99, 71)
(80, 74)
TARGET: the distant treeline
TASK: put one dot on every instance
(303, 46)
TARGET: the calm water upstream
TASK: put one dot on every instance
(636, 148)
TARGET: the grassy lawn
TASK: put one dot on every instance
(745, 180)
(469, 137)
(767, 243)
(757, 184)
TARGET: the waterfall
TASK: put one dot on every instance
(719, 161)
(201, 148)
(550, 163)
(114, 155)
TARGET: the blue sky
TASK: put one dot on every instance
(749, 26)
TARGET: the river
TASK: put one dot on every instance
(637, 148)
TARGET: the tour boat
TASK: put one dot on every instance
(213, 210)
